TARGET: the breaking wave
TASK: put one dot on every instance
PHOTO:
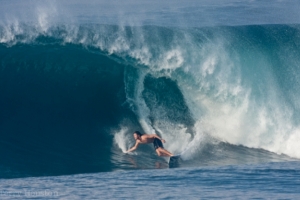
(71, 96)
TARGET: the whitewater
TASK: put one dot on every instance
(219, 81)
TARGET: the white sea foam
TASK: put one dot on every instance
(121, 140)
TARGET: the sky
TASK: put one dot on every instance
(155, 12)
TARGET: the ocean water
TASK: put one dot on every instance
(265, 181)
(218, 80)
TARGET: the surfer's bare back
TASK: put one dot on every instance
(150, 138)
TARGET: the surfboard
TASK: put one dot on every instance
(174, 161)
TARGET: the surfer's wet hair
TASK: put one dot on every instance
(138, 133)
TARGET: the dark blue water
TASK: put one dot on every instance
(273, 180)
(75, 83)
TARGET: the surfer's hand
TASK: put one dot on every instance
(164, 141)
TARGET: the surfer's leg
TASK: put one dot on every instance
(163, 152)
(158, 152)
(167, 152)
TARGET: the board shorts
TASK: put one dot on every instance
(157, 143)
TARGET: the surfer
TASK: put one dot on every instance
(150, 138)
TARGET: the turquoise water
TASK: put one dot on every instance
(219, 81)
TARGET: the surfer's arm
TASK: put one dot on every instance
(134, 147)
(156, 136)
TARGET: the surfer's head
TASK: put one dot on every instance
(137, 135)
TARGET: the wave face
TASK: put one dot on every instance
(71, 96)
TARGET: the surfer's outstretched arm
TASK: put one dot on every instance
(137, 143)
